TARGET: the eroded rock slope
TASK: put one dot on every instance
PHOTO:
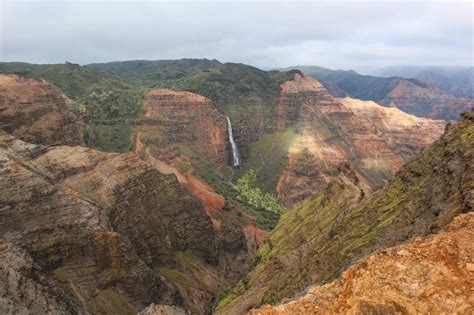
(427, 275)
(37, 112)
(375, 141)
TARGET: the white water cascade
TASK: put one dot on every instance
(235, 152)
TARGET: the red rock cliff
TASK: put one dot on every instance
(189, 119)
(375, 141)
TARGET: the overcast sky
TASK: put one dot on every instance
(265, 34)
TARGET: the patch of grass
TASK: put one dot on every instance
(118, 302)
(110, 138)
(59, 273)
(254, 196)
(268, 156)
(172, 274)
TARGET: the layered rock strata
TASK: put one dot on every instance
(37, 112)
(424, 100)
(375, 141)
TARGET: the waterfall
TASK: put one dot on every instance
(235, 152)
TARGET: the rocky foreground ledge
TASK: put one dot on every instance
(428, 275)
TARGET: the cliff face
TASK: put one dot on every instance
(189, 119)
(191, 125)
(186, 119)
(423, 100)
(375, 141)
(319, 238)
(426, 275)
(37, 112)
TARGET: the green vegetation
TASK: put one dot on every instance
(109, 138)
(97, 94)
(220, 177)
(364, 87)
(268, 157)
(250, 194)
(148, 73)
(222, 83)
(227, 296)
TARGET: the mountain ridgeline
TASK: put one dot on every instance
(423, 95)
(195, 186)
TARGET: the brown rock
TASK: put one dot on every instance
(101, 226)
(37, 112)
(191, 119)
(373, 140)
(431, 277)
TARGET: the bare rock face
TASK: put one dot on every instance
(189, 119)
(25, 289)
(37, 112)
(429, 275)
(374, 140)
(103, 228)
(423, 100)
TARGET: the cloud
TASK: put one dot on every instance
(265, 34)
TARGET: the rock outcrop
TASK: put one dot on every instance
(428, 275)
(375, 141)
(315, 241)
(37, 112)
(188, 119)
(423, 100)
(105, 227)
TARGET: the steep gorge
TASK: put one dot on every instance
(329, 133)
(88, 231)
(319, 238)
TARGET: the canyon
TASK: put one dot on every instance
(88, 231)
(134, 205)
(318, 239)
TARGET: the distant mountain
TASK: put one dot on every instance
(149, 72)
(414, 96)
(458, 81)
(364, 87)
(221, 82)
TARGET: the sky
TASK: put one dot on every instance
(269, 34)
